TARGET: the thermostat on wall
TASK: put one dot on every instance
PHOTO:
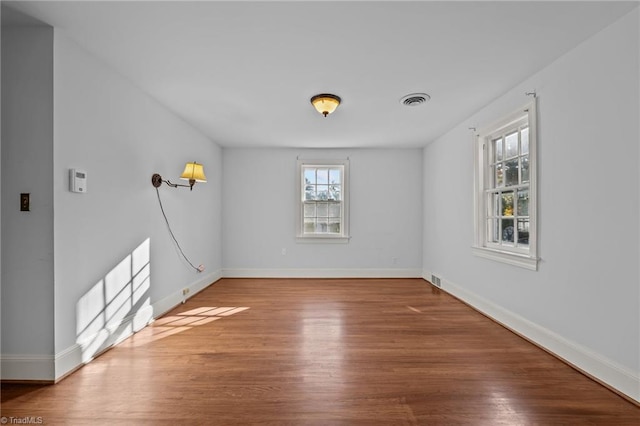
(77, 180)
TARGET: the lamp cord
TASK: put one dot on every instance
(171, 232)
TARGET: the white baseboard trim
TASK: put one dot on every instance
(68, 360)
(54, 367)
(321, 273)
(608, 372)
(28, 367)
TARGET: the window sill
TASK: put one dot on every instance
(515, 259)
(322, 239)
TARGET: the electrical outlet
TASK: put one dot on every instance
(185, 291)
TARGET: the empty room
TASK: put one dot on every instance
(320, 212)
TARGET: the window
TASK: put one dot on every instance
(505, 190)
(322, 193)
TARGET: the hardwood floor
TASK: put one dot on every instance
(323, 352)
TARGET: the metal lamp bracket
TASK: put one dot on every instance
(156, 180)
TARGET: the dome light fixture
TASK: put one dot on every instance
(325, 103)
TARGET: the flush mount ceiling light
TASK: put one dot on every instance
(415, 99)
(325, 103)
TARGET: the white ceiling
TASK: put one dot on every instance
(243, 72)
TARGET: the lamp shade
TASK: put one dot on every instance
(325, 103)
(193, 171)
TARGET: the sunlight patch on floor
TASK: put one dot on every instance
(174, 324)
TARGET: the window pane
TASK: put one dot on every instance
(309, 192)
(334, 176)
(334, 226)
(322, 210)
(523, 232)
(334, 210)
(524, 140)
(334, 192)
(497, 149)
(511, 145)
(309, 224)
(322, 192)
(310, 176)
(323, 176)
(507, 230)
(309, 184)
(525, 169)
(322, 225)
(493, 231)
(507, 203)
(523, 202)
(499, 176)
(310, 210)
(511, 172)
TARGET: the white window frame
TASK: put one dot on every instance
(301, 235)
(517, 256)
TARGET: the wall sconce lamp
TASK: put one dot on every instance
(193, 172)
(325, 103)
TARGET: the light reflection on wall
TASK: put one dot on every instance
(117, 305)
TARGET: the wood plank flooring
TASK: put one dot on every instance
(323, 352)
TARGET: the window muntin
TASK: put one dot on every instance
(505, 202)
(322, 195)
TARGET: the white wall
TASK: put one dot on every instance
(105, 238)
(259, 215)
(0, 199)
(27, 237)
(82, 271)
(583, 303)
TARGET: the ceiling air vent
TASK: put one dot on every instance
(415, 99)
